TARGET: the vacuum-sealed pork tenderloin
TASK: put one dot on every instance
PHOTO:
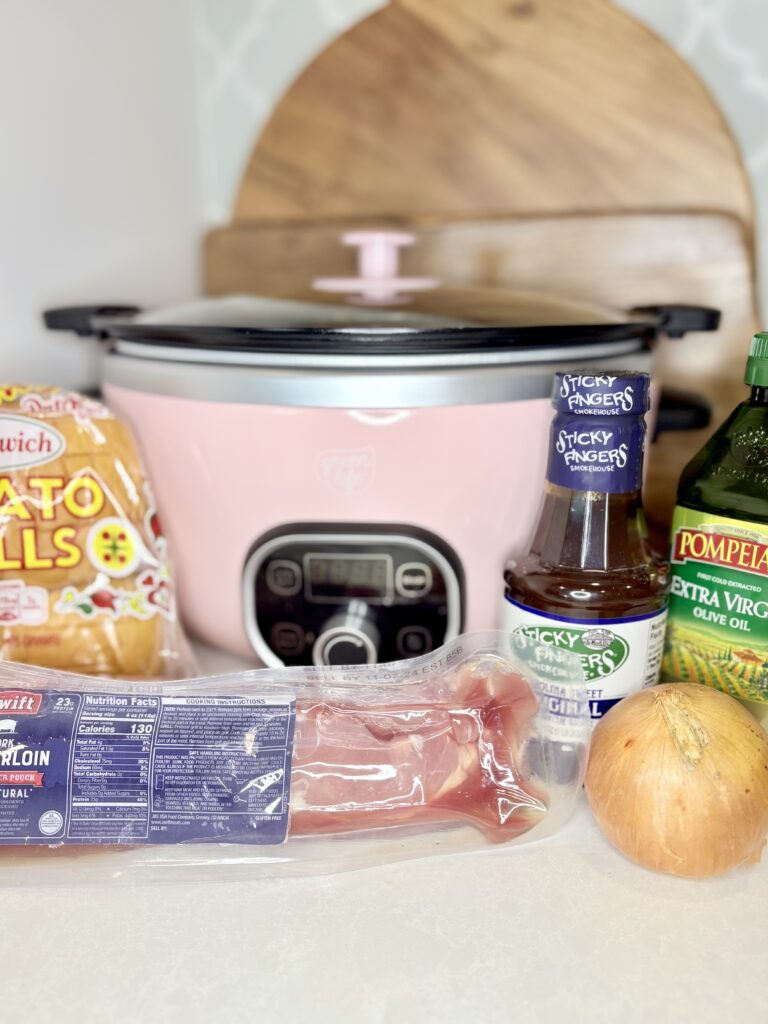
(316, 768)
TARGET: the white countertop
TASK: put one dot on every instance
(564, 929)
(560, 930)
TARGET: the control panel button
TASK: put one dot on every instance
(346, 644)
(284, 577)
(413, 641)
(288, 639)
(413, 579)
(345, 650)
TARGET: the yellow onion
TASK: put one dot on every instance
(678, 780)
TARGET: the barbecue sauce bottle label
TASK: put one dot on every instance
(589, 582)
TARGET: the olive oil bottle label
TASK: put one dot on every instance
(619, 656)
(718, 613)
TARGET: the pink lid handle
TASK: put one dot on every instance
(378, 260)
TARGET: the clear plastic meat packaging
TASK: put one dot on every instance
(288, 771)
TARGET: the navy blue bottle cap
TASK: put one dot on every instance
(598, 431)
(623, 393)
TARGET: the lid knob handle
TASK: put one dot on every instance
(378, 261)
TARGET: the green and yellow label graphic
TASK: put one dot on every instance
(718, 612)
(601, 651)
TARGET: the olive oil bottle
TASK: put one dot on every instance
(589, 582)
(718, 623)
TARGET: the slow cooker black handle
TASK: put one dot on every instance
(679, 410)
(83, 320)
(677, 321)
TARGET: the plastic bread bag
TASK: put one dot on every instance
(85, 584)
(288, 771)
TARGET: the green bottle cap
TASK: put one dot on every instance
(757, 365)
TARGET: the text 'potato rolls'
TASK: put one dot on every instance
(85, 584)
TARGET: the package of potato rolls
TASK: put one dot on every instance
(85, 582)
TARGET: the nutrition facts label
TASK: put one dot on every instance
(110, 768)
(131, 769)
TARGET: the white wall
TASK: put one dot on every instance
(125, 126)
(726, 41)
(99, 169)
(249, 52)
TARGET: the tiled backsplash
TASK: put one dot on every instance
(250, 50)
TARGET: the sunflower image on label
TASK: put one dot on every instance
(718, 631)
(114, 547)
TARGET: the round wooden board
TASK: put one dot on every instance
(452, 109)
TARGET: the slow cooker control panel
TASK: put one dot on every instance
(350, 594)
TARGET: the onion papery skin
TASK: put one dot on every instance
(678, 780)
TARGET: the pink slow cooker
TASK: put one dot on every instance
(344, 484)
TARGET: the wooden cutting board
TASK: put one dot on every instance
(453, 108)
(552, 145)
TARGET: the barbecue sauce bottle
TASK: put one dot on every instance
(718, 615)
(589, 582)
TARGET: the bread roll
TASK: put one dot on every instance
(84, 580)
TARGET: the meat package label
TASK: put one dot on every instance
(133, 769)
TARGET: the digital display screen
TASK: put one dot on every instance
(330, 577)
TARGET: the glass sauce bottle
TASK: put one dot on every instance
(718, 627)
(590, 582)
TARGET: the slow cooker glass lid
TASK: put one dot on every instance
(294, 328)
(375, 340)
